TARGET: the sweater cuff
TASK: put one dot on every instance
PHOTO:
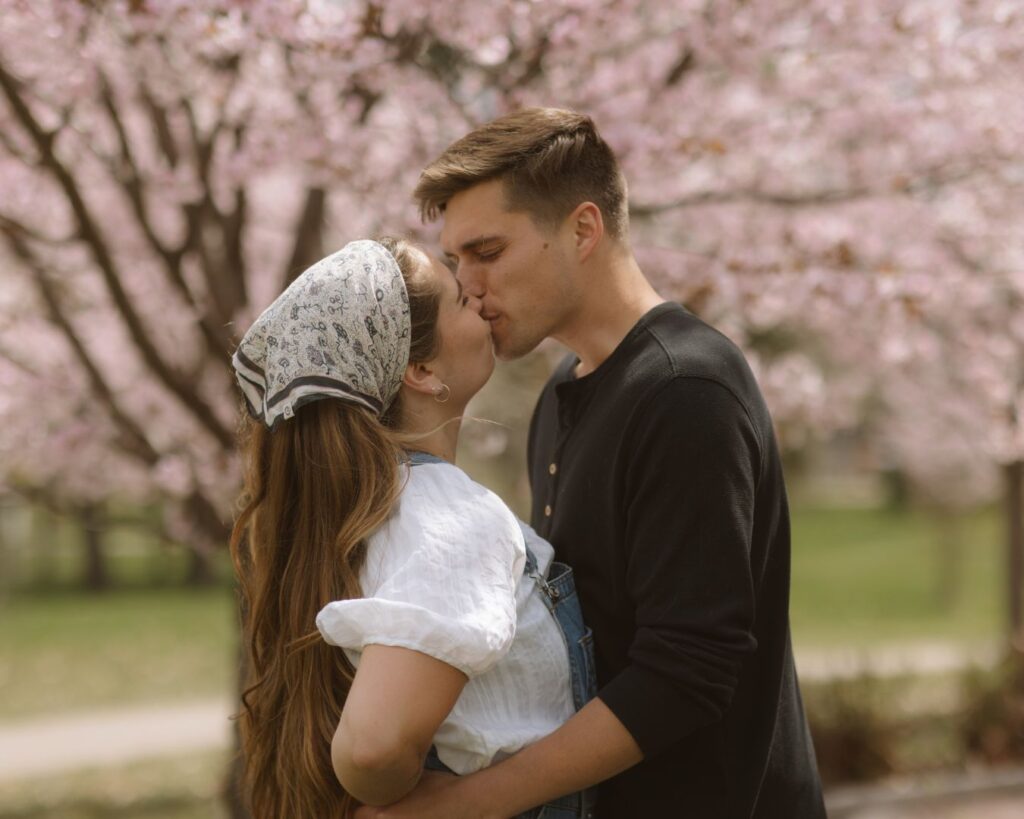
(651, 708)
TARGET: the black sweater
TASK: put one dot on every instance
(657, 478)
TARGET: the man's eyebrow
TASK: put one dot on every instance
(480, 241)
(472, 245)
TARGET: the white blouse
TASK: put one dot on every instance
(444, 576)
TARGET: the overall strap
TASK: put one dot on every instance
(416, 458)
(531, 558)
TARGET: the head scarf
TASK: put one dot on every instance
(340, 330)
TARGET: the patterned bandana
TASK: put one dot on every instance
(340, 330)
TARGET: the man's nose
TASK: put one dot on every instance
(472, 284)
(476, 304)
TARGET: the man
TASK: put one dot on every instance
(655, 474)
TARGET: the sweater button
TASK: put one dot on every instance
(547, 511)
(552, 469)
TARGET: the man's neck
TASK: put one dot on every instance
(620, 297)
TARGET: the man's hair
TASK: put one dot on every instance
(550, 160)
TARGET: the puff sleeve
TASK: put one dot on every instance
(440, 576)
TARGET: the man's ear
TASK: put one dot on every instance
(588, 228)
(420, 378)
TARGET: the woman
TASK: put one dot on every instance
(444, 635)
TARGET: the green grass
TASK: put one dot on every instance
(63, 651)
(860, 577)
(867, 576)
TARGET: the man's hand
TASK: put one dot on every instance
(591, 747)
(437, 796)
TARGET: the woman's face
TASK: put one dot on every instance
(466, 355)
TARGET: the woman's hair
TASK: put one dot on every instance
(314, 488)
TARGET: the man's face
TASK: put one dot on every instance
(518, 270)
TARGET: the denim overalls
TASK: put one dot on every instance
(558, 591)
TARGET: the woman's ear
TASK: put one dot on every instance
(420, 378)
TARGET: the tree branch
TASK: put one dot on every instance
(234, 235)
(308, 244)
(161, 127)
(223, 266)
(93, 237)
(686, 63)
(16, 151)
(928, 179)
(132, 439)
(9, 224)
(19, 363)
(135, 439)
(783, 200)
(130, 181)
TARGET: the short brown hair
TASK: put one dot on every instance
(550, 160)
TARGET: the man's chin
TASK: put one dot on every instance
(507, 348)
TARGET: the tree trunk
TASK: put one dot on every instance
(1015, 551)
(44, 546)
(211, 534)
(200, 568)
(97, 575)
(6, 563)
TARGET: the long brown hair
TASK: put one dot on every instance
(314, 488)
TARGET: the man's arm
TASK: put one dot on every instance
(589, 748)
(689, 505)
(689, 492)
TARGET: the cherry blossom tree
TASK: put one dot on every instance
(836, 184)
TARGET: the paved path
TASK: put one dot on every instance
(922, 658)
(52, 744)
(47, 745)
(109, 737)
(978, 794)
(968, 808)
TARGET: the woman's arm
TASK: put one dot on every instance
(398, 700)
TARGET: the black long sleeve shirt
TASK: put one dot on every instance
(657, 477)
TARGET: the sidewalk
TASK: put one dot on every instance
(979, 794)
(921, 657)
(109, 737)
(114, 736)
(42, 746)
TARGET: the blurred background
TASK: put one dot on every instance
(835, 184)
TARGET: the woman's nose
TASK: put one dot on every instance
(476, 304)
